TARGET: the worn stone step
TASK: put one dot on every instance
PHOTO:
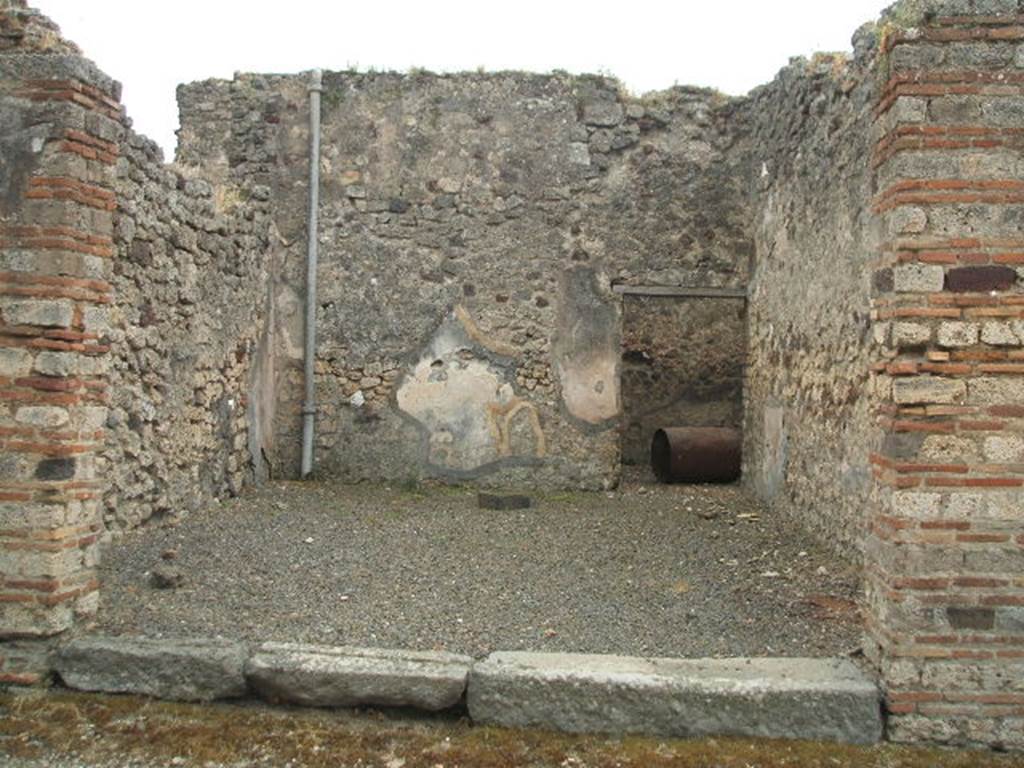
(322, 676)
(185, 670)
(827, 699)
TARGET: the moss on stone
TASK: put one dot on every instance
(41, 729)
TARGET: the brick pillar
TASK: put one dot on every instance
(945, 556)
(60, 121)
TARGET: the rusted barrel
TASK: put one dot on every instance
(696, 454)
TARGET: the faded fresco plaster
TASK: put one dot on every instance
(460, 393)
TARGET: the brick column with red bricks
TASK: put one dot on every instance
(945, 556)
(60, 122)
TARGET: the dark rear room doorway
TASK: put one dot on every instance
(683, 352)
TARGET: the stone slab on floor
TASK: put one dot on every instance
(826, 699)
(322, 676)
(183, 670)
(503, 501)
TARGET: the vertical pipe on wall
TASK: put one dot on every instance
(309, 404)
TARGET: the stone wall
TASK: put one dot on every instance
(946, 551)
(807, 426)
(134, 324)
(884, 376)
(477, 234)
(191, 275)
(920, 226)
(60, 122)
(472, 229)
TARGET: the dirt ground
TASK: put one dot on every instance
(685, 571)
(63, 730)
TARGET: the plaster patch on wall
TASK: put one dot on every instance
(510, 431)
(590, 387)
(18, 153)
(474, 332)
(586, 349)
(289, 322)
(262, 400)
(773, 466)
(466, 402)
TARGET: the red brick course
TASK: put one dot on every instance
(946, 556)
(51, 576)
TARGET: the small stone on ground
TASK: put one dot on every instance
(165, 577)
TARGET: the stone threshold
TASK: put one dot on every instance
(819, 699)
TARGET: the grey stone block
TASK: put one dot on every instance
(15, 362)
(603, 113)
(926, 278)
(771, 698)
(186, 670)
(321, 676)
(48, 313)
(919, 390)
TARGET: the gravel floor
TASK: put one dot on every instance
(646, 570)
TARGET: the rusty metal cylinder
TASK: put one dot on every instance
(696, 454)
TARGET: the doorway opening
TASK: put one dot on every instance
(683, 353)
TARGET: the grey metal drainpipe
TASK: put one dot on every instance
(309, 406)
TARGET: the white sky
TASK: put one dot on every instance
(733, 45)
